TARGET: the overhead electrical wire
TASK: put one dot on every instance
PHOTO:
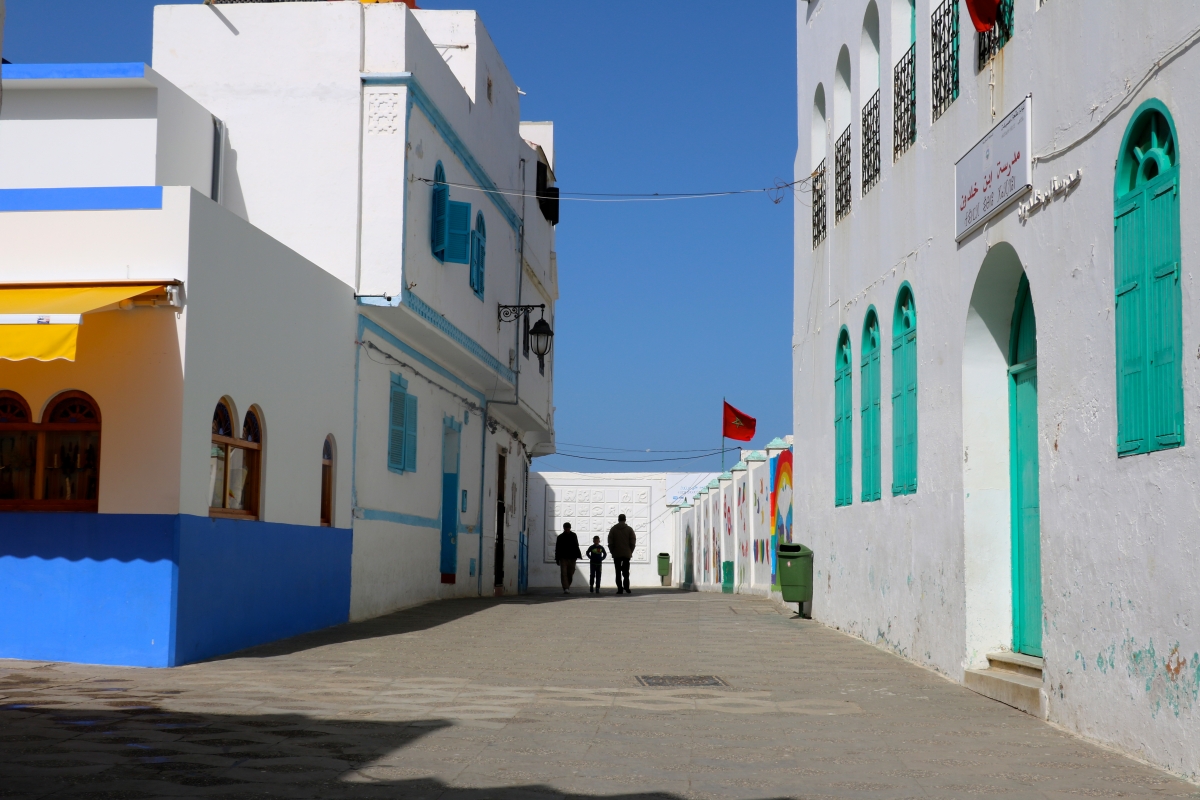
(631, 450)
(775, 192)
(635, 460)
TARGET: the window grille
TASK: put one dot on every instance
(991, 42)
(870, 143)
(818, 204)
(841, 165)
(904, 120)
(945, 56)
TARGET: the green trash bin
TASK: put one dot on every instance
(664, 564)
(795, 571)
(727, 577)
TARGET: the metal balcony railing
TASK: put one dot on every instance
(945, 56)
(870, 143)
(818, 204)
(991, 42)
(841, 176)
(904, 120)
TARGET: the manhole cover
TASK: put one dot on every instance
(680, 680)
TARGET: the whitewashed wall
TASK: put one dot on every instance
(1120, 576)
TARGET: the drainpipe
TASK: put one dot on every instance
(482, 471)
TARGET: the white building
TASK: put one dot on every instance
(1031, 530)
(310, 408)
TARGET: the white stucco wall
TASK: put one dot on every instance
(925, 575)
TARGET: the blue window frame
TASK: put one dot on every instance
(402, 427)
(438, 215)
(904, 393)
(843, 421)
(478, 255)
(458, 233)
(870, 390)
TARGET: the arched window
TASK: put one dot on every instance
(1149, 312)
(71, 453)
(904, 393)
(438, 213)
(843, 421)
(235, 464)
(327, 482)
(478, 255)
(18, 451)
(904, 76)
(870, 389)
(817, 141)
(868, 96)
(841, 128)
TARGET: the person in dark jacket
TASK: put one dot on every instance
(566, 553)
(621, 541)
(596, 555)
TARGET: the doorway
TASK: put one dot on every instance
(1026, 519)
(501, 512)
(449, 559)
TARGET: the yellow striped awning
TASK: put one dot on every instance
(42, 321)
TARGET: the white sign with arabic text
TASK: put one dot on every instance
(995, 172)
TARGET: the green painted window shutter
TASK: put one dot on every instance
(438, 217)
(870, 410)
(1148, 303)
(904, 395)
(410, 433)
(396, 425)
(478, 256)
(843, 401)
(458, 233)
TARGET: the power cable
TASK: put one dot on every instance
(635, 460)
(775, 192)
(630, 450)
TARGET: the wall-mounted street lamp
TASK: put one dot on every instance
(541, 338)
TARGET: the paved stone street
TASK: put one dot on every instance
(539, 697)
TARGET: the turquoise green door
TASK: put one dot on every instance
(1026, 525)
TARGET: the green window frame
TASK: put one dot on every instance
(402, 427)
(1148, 316)
(843, 421)
(869, 388)
(904, 393)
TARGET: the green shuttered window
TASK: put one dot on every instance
(441, 197)
(870, 389)
(402, 428)
(478, 255)
(458, 233)
(843, 421)
(1148, 302)
(904, 394)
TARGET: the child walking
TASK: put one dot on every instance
(596, 555)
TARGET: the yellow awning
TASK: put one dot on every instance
(42, 322)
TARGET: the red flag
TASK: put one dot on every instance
(737, 425)
(983, 13)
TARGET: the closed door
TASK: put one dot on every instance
(1026, 522)
(449, 559)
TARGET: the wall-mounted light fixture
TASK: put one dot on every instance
(541, 337)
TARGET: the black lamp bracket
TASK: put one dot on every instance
(511, 313)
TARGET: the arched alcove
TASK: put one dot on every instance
(987, 482)
(868, 55)
(904, 27)
(841, 92)
(818, 127)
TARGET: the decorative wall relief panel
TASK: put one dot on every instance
(593, 510)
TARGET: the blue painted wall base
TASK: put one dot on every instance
(151, 590)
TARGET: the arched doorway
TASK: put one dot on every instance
(1023, 438)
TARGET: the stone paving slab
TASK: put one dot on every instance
(537, 698)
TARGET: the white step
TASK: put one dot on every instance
(1013, 679)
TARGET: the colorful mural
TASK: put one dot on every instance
(762, 510)
(741, 526)
(781, 505)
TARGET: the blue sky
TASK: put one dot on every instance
(666, 307)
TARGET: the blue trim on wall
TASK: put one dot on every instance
(365, 323)
(83, 198)
(41, 72)
(378, 515)
(158, 590)
(425, 312)
(443, 127)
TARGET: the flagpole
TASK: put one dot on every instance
(723, 401)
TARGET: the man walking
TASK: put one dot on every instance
(621, 541)
(566, 553)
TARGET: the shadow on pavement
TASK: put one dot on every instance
(129, 747)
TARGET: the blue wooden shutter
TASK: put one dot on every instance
(396, 426)
(1165, 316)
(870, 419)
(839, 435)
(899, 462)
(410, 433)
(458, 233)
(437, 234)
(480, 269)
(1130, 315)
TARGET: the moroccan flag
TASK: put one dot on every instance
(737, 425)
(983, 13)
